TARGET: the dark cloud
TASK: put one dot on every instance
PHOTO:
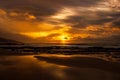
(98, 18)
(116, 23)
(83, 3)
(47, 8)
(76, 21)
(37, 8)
(44, 7)
(49, 3)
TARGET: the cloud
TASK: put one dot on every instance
(46, 20)
(44, 7)
(116, 23)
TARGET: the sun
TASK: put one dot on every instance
(64, 39)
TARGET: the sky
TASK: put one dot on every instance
(60, 21)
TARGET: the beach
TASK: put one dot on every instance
(57, 67)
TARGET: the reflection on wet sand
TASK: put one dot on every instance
(57, 67)
(28, 68)
(83, 62)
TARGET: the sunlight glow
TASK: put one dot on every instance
(63, 14)
(36, 34)
(63, 38)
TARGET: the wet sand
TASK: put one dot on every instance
(83, 62)
(57, 67)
